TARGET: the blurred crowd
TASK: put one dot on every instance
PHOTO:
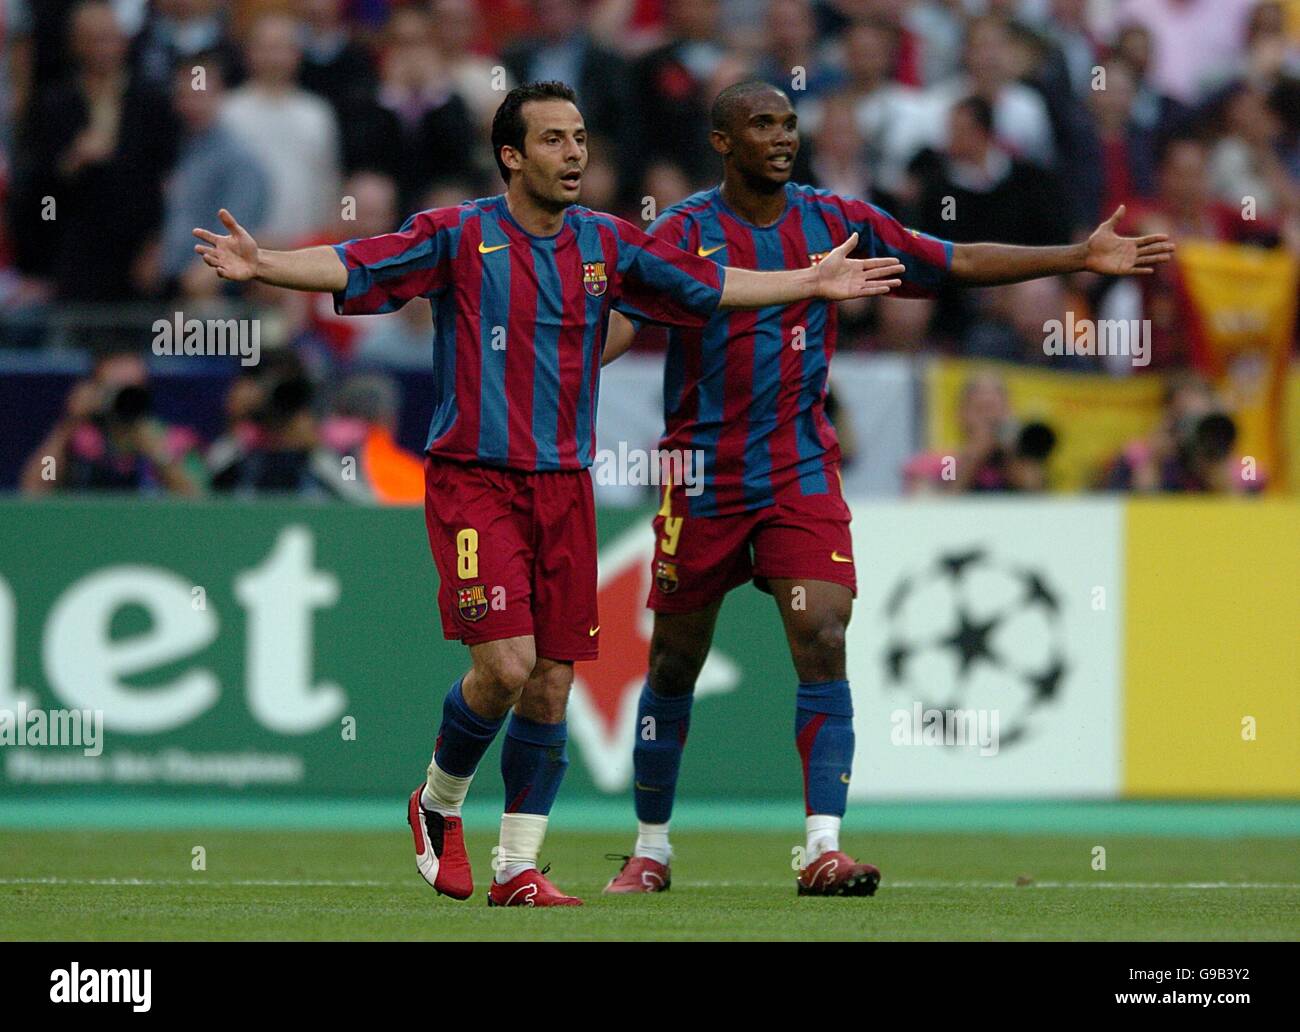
(125, 123)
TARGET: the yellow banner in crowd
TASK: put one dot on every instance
(1094, 416)
(1291, 427)
(1245, 300)
(1212, 657)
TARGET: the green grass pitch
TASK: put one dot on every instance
(312, 884)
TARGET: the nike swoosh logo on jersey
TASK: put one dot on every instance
(704, 252)
(484, 249)
(592, 633)
(837, 558)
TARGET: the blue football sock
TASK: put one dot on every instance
(464, 736)
(661, 726)
(533, 762)
(824, 735)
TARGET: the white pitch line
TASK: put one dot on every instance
(200, 882)
(362, 883)
(888, 884)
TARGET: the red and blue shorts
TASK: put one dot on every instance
(516, 555)
(698, 559)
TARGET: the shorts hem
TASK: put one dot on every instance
(487, 636)
(848, 580)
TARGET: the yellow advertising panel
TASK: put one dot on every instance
(1094, 416)
(1212, 648)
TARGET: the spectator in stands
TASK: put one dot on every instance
(370, 209)
(890, 117)
(1067, 27)
(1190, 451)
(213, 171)
(1246, 162)
(565, 50)
(673, 86)
(109, 439)
(938, 25)
(292, 134)
(835, 17)
(1153, 109)
(1128, 149)
(973, 191)
(419, 128)
(334, 64)
(1038, 62)
(481, 81)
(792, 55)
(1190, 40)
(361, 427)
(176, 30)
(996, 453)
(1185, 207)
(98, 147)
(1020, 117)
(839, 161)
(279, 450)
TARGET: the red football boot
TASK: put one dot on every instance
(530, 888)
(440, 849)
(640, 874)
(838, 874)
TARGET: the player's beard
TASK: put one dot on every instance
(762, 183)
(547, 194)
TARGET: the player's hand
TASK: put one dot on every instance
(840, 277)
(1113, 255)
(234, 256)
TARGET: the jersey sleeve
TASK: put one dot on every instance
(385, 272)
(926, 260)
(661, 283)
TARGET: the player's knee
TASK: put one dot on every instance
(673, 673)
(819, 649)
(545, 697)
(504, 674)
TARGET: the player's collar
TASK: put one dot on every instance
(731, 212)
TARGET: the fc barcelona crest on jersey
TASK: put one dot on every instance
(472, 602)
(665, 576)
(816, 259)
(593, 278)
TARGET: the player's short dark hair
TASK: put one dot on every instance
(508, 125)
(727, 104)
(979, 109)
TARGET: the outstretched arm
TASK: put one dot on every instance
(837, 277)
(237, 257)
(1105, 252)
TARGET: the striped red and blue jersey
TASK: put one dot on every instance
(519, 320)
(748, 390)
